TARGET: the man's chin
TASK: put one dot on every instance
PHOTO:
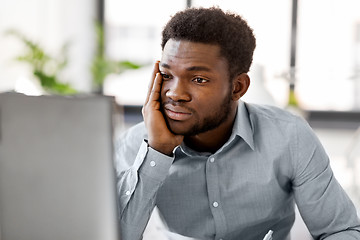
(179, 128)
(178, 131)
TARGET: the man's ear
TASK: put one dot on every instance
(241, 84)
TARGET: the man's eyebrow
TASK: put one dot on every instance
(198, 68)
(192, 68)
(164, 65)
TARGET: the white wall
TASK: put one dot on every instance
(50, 23)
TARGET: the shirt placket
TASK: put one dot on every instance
(215, 203)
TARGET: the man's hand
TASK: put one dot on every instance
(160, 137)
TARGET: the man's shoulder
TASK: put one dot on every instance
(276, 119)
(127, 145)
(128, 142)
(268, 112)
(281, 125)
(136, 133)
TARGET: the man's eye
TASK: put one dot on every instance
(165, 76)
(200, 80)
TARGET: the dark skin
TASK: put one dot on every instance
(191, 98)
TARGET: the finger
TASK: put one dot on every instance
(153, 100)
(151, 83)
(156, 89)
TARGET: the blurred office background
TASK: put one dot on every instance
(327, 57)
(312, 46)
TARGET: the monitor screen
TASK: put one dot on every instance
(57, 177)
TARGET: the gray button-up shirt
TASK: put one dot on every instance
(248, 187)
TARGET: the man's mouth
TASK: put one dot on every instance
(177, 113)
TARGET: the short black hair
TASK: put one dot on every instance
(214, 26)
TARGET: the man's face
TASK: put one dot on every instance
(196, 92)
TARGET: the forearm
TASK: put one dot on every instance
(326, 209)
(324, 205)
(137, 188)
(136, 208)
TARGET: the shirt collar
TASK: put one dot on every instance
(242, 125)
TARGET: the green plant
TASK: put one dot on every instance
(292, 100)
(101, 65)
(45, 67)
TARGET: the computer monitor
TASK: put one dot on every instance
(57, 178)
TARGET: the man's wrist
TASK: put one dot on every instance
(166, 149)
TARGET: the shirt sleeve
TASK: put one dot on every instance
(323, 204)
(137, 188)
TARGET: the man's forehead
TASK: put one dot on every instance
(179, 47)
(183, 50)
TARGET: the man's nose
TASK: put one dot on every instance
(178, 90)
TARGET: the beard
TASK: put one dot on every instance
(209, 122)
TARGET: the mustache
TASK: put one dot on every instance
(177, 104)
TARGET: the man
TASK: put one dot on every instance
(216, 167)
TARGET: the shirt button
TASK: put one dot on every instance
(215, 204)
(152, 163)
(127, 193)
(212, 160)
